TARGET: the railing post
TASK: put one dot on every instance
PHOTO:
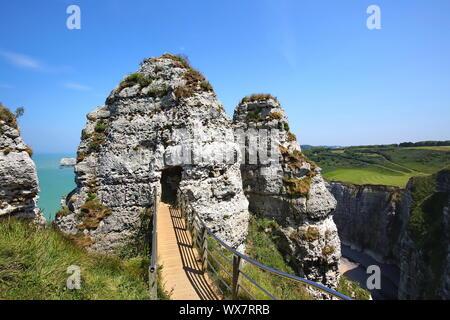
(204, 249)
(153, 268)
(153, 281)
(234, 288)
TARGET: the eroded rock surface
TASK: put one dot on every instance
(290, 190)
(164, 120)
(18, 179)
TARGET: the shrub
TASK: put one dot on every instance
(327, 250)
(63, 212)
(180, 59)
(286, 126)
(258, 97)
(133, 79)
(7, 116)
(297, 188)
(93, 213)
(158, 91)
(352, 289)
(275, 116)
(81, 156)
(91, 196)
(183, 92)
(19, 112)
(206, 86)
(193, 77)
(96, 142)
(94, 147)
(254, 115)
(100, 127)
(291, 137)
(29, 151)
(137, 78)
(85, 135)
(311, 234)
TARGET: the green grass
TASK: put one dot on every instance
(33, 265)
(437, 148)
(352, 289)
(387, 165)
(368, 176)
(262, 247)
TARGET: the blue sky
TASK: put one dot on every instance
(340, 83)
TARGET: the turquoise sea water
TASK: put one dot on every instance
(53, 182)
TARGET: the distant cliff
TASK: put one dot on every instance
(369, 218)
(409, 228)
(18, 178)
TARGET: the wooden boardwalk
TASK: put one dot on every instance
(181, 274)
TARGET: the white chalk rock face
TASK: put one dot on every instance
(288, 189)
(18, 179)
(67, 162)
(161, 127)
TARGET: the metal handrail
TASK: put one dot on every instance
(237, 256)
(153, 268)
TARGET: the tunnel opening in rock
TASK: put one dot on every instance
(170, 181)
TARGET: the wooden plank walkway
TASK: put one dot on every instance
(181, 273)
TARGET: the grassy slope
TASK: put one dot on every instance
(388, 166)
(261, 246)
(33, 264)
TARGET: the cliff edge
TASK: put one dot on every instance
(18, 178)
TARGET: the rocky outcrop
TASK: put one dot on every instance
(162, 128)
(369, 219)
(67, 162)
(282, 185)
(18, 179)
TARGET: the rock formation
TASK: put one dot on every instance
(18, 179)
(369, 219)
(161, 127)
(67, 162)
(289, 189)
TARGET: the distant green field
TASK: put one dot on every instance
(438, 148)
(392, 166)
(367, 176)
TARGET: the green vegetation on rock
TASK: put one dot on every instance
(93, 213)
(134, 79)
(426, 226)
(7, 116)
(259, 97)
(352, 289)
